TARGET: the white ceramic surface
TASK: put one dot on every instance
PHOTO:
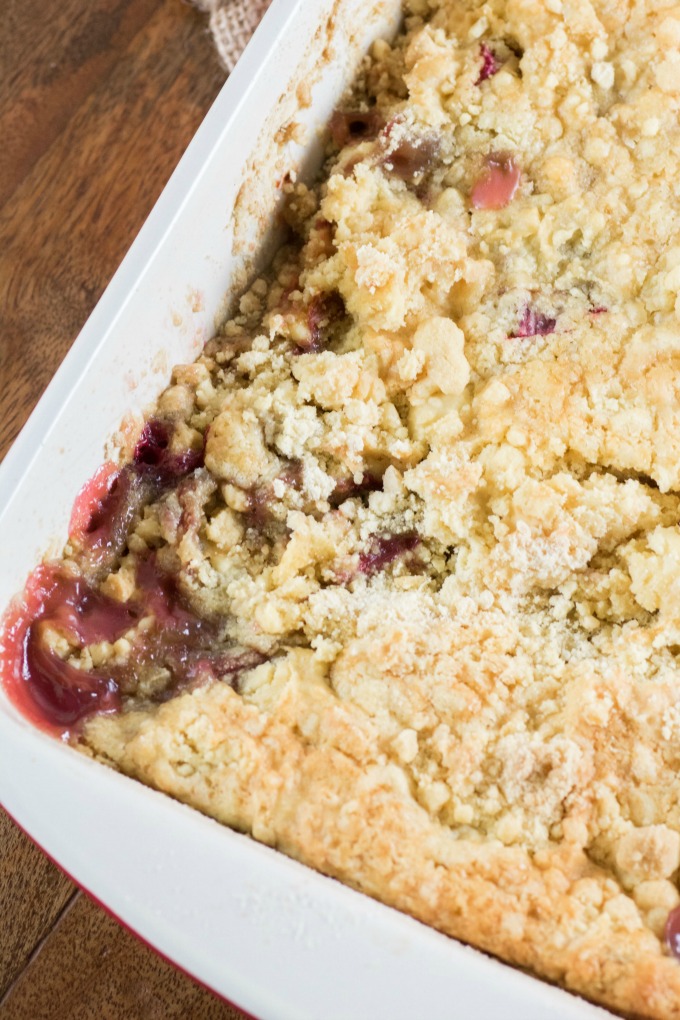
(274, 937)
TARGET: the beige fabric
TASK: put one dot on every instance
(232, 22)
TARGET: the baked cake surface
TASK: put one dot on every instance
(394, 572)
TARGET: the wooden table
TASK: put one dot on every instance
(97, 102)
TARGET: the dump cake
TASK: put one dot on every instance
(389, 580)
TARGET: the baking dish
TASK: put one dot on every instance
(275, 938)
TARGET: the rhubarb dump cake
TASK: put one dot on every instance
(391, 580)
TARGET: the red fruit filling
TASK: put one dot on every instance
(672, 932)
(119, 497)
(533, 323)
(323, 312)
(162, 598)
(57, 695)
(261, 497)
(51, 692)
(90, 498)
(153, 459)
(384, 549)
(182, 642)
(347, 488)
(411, 156)
(490, 64)
(498, 184)
(106, 532)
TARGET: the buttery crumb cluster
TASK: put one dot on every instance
(423, 493)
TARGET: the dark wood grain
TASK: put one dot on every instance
(90, 967)
(98, 100)
(32, 896)
(66, 226)
(46, 71)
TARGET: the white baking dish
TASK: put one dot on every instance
(274, 937)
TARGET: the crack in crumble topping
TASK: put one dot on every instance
(422, 494)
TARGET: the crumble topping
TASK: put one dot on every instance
(392, 582)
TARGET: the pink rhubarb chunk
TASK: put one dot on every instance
(90, 498)
(672, 932)
(497, 186)
(490, 65)
(533, 323)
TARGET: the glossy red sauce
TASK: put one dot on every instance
(106, 532)
(498, 183)
(89, 500)
(162, 598)
(154, 460)
(52, 693)
(56, 695)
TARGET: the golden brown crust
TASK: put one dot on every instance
(315, 796)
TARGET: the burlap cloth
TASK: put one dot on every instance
(232, 22)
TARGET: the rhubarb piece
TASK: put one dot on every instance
(490, 64)
(183, 642)
(153, 459)
(153, 469)
(58, 695)
(410, 156)
(52, 692)
(323, 312)
(347, 488)
(88, 503)
(106, 533)
(498, 184)
(533, 323)
(63, 694)
(672, 932)
(384, 549)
